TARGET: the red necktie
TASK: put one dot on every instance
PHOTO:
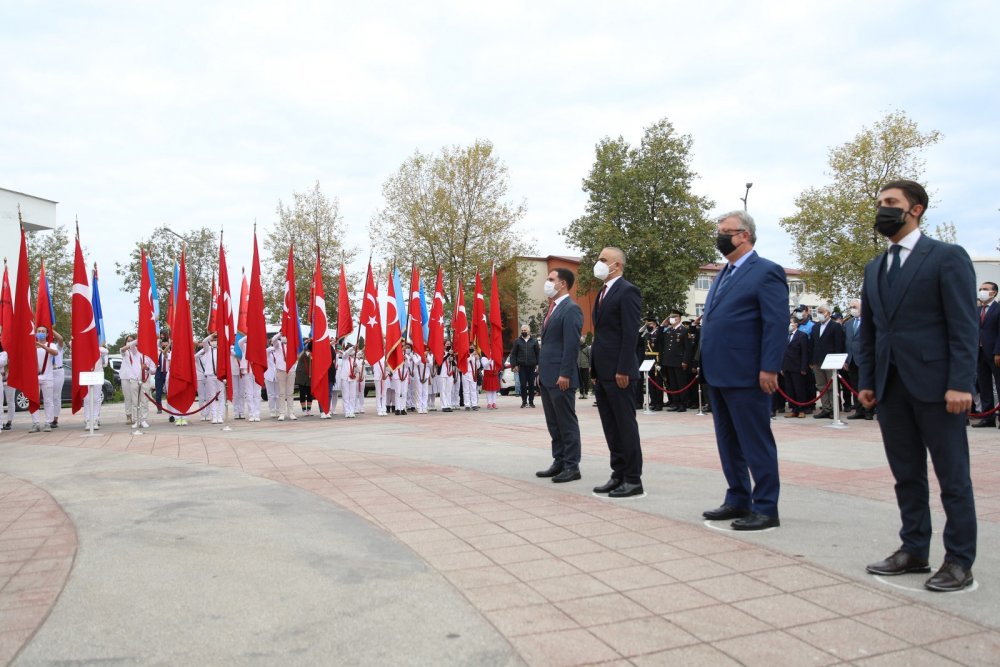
(982, 315)
(600, 297)
(552, 307)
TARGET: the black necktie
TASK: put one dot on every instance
(894, 265)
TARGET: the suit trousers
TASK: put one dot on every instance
(987, 373)
(621, 431)
(560, 417)
(796, 388)
(526, 376)
(742, 417)
(677, 379)
(822, 377)
(911, 429)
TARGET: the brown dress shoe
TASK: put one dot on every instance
(951, 577)
(898, 563)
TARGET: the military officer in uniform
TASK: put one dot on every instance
(649, 345)
(675, 360)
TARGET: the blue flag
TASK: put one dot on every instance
(423, 311)
(52, 309)
(156, 294)
(400, 300)
(95, 300)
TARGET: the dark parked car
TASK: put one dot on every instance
(21, 401)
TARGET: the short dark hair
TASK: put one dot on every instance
(987, 282)
(913, 191)
(566, 275)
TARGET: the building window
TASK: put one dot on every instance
(703, 282)
(699, 308)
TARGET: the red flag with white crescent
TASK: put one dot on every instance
(416, 321)
(435, 328)
(322, 355)
(460, 327)
(371, 320)
(84, 345)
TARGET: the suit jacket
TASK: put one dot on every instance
(989, 329)
(561, 345)
(830, 342)
(852, 339)
(745, 324)
(925, 324)
(796, 359)
(616, 320)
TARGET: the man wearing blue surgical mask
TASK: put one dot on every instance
(44, 352)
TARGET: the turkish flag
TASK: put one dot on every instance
(480, 326)
(256, 328)
(183, 385)
(393, 334)
(21, 357)
(6, 310)
(460, 327)
(213, 309)
(146, 342)
(241, 323)
(371, 319)
(224, 326)
(416, 316)
(496, 326)
(345, 321)
(322, 355)
(435, 330)
(290, 316)
(84, 344)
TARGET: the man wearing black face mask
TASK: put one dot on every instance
(917, 361)
(524, 360)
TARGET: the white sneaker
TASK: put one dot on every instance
(292, 416)
(145, 424)
(35, 428)
(46, 428)
(86, 426)
(281, 418)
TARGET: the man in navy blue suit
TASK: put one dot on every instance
(918, 363)
(558, 376)
(615, 372)
(743, 335)
(988, 368)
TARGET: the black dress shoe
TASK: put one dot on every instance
(609, 487)
(724, 512)
(567, 475)
(627, 490)
(755, 521)
(552, 471)
(983, 423)
(823, 414)
(858, 415)
(900, 562)
(951, 577)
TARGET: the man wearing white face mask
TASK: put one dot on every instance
(828, 338)
(988, 364)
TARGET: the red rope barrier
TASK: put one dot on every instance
(678, 391)
(807, 403)
(182, 414)
(847, 384)
(973, 415)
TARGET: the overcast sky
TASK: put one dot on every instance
(135, 114)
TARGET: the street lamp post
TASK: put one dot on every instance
(742, 199)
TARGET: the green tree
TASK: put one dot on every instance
(832, 227)
(53, 247)
(312, 221)
(641, 200)
(163, 248)
(451, 210)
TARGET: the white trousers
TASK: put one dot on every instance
(239, 394)
(420, 395)
(471, 391)
(251, 396)
(91, 413)
(217, 409)
(129, 389)
(349, 392)
(286, 392)
(272, 395)
(8, 394)
(58, 380)
(444, 390)
(45, 391)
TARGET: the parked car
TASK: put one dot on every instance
(115, 362)
(21, 401)
(508, 380)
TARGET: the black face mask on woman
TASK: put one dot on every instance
(889, 220)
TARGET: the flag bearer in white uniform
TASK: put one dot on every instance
(92, 413)
(347, 376)
(251, 390)
(58, 377)
(238, 380)
(446, 378)
(470, 381)
(142, 369)
(44, 352)
(213, 383)
(285, 379)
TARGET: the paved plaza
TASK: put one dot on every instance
(427, 540)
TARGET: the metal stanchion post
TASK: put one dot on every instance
(645, 400)
(701, 413)
(225, 408)
(837, 423)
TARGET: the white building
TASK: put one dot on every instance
(37, 213)
(797, 292)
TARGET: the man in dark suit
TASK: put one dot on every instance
(743, 334)
(558, 376)
(828, 338)
(524, 361)
(988, 367)
(615, 372)
(918, 362)
(795, 369)
(852, 339)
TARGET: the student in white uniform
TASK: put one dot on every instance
(285, 379)
(271, 381)
(142, 369)
(401, 378)
(251, 390)
(238, 374)
(446, 378)
(6, 395)
(213, 384)
(58, 377)
(129, 375)
(44, 352)
(383, 383)
(421, 382)
(470, 381)
(92, 413)
(347, 372)
(199, 370)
